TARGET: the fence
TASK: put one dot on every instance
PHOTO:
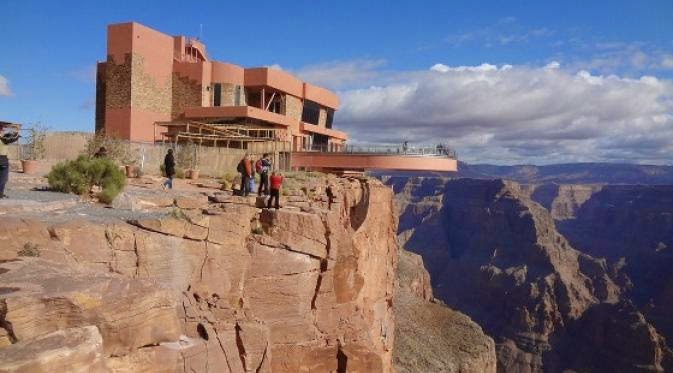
(211, 161)
(434, 151)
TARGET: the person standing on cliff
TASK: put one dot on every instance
(262, 167)
(6, 139)
(245, 169)
(169, 167)
(276, 182)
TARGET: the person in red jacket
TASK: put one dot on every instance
(276, 181)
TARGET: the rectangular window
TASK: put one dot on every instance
(330, 118)
(311, 112)
(217, 94)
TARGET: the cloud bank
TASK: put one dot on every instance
(510, 114)
(4, 87)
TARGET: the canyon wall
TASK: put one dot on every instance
(496, 255)
(217, 286)
(632, 227)
(430, 337)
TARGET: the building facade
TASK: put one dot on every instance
(150, 77)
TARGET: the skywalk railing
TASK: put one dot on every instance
(427, 151)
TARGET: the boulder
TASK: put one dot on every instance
(41, 297)
(78, 350)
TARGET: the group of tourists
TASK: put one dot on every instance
(269, 185)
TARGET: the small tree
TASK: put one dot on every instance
(35, 143)
(185, 156)
(117, 149)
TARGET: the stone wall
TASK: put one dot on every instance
(293, 107)
(229, 93)
(186, 92)
(118, 83)
(128, 85)
(146, 93)
(322, 118)
(100, 95)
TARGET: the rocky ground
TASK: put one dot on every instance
(198, 280)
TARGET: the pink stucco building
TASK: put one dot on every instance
(152, 77)
(153, 87)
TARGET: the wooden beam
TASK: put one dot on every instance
(270, 101)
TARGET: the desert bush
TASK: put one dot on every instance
(79, 176)
(35, 142)
(186, 156)
(117, 149)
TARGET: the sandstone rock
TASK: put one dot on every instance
(312, 286)
(166, 225)
(77, 349)
(299, 231)
(139, 202)
(191, 202)
(44, 297)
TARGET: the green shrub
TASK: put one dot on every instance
(80, 175)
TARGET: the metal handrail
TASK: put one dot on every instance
(429, 151)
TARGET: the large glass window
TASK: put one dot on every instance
(330, 118)
(311, 112)
(217, 94)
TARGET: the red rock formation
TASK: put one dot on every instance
(495, 255)
(430, 337)
(294, 290)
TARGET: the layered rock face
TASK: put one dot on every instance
(430, 337)
(632, 226)
(562, 200)
(212, 287)
(496, 255)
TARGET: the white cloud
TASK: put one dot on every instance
(667, 61)
(4, 87)
(341, 74)
(515, 114)
(624, 58)
(553, 65)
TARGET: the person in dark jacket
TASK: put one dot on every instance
(169, 167)
(101, 153)
(265, 167)
(5, 139)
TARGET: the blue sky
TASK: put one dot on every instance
(50, 48)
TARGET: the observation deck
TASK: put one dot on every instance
(377, 157)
